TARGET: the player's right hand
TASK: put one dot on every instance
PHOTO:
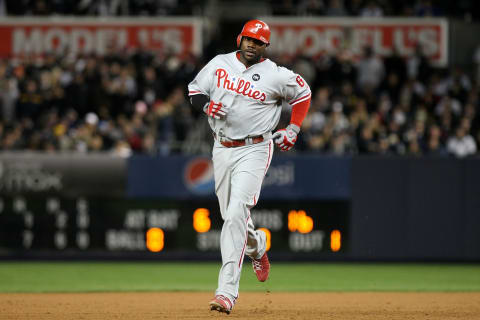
(215, 110)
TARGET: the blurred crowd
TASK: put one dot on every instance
(468, 9)
(134, 101)
(390, 106)
(99, 7)
(123, 102)
(373, 8)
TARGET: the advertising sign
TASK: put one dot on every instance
(316, 36)
(85, 36)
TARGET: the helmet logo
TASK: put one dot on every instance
(257, 26)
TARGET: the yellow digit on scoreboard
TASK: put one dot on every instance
(155, 239)
(335, 240)
(201, 221)
(299, 221)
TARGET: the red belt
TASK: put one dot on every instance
(239, 143)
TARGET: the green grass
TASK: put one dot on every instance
(161, 276)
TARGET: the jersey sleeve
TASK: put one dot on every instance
(296, 89)
(202, 83)
(297, 93)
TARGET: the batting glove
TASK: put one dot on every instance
(215, 110)
(286, 138)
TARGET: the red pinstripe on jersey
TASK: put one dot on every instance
(245, 243)
(305, 97)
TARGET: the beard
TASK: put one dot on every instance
(250, 56)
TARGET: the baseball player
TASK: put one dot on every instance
(242, 93)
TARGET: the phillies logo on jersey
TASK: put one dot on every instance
(242, 87)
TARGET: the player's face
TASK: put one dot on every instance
(251, 50)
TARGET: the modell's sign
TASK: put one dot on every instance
(316, 36)
(39, 36)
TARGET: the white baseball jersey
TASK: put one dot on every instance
(252, 96)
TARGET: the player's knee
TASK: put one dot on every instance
(237, 210)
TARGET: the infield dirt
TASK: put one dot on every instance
(250, 305)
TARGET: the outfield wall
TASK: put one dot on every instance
(401, 208)
(415, 208)
(387, 209)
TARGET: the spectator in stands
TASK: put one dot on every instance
(372, 9)
(342, 68)
(461, 144)
(384, 145)
(425, 8)
(348, 96)
(150, 86)
(476, 62)
(418, 66)
(336, 8)
(358, 115)
(3, 8)
(370, 71)
(392, 87)
(434, 145)
(448, 104)
(30, 102)
(366, 139)
(166, 121)
(283, 7)
(311, 7)
(395, 64)
(414, 148)
(354, 7)
(337, 121)
(395, 143)
(336, 131)
(111, 7)
(8, 93)
(122, 149)
(341, 144)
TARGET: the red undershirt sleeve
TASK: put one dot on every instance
(299, 111)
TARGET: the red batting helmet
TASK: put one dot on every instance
(255, 29)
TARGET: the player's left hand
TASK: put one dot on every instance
(286, 138)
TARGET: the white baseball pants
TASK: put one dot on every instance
(239, 174)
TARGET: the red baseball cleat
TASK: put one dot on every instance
(261, 267)
(221, 304)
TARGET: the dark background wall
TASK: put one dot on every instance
(415, 209)
(388, 208)
(401, 208)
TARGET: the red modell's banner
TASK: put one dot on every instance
(37, 36)
(316, 36)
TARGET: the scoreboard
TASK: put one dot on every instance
(70, 205)
(76, 226)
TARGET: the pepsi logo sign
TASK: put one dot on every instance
(198, 176)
